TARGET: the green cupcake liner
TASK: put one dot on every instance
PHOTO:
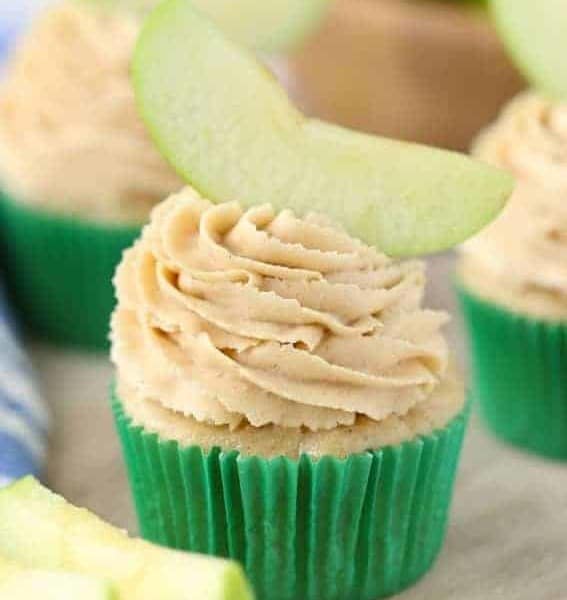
(59, 272)
(519, 375)
(358, 528)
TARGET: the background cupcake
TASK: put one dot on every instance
(513, 282)
(284, 399)
(77, 171)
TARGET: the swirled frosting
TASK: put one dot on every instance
(236, 317)
(70, 137)
(521, 259)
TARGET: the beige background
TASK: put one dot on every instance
(432, 72)
(508, 531)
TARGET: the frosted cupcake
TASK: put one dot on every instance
(282, 395)
(77, 171)
(283, 398)
(513, 280)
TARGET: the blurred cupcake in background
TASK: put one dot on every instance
(431, 71)
(513, 282)
(78, 173)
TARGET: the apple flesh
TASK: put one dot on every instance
(269, 27)
(534, 32)
(40, 530)
(228, 128)
(19, 583)
(266, 26)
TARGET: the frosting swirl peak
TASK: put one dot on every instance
(233, 316)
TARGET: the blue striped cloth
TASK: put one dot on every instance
(23, 415)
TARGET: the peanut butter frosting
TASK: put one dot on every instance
(521, 258)
(70, 136)
(238, 318)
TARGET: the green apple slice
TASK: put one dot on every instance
(40, 530)
(19, 583)
(267, 26)
(534, 32)
(229, 129)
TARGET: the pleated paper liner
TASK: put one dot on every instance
(519, 375)
(59, 272)
(358, 528)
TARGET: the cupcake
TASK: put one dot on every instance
(282, 396)
(78, 174)
(431, 71)
(284, 399)
(513, 282)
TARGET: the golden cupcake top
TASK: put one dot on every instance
(522, 256)
(239, 317)
(70, 136)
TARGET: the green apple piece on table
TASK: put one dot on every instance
(40, 530)
(20, 583)
(535, 33)
(229, 129)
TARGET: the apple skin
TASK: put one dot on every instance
(228, 128)
(534, 32)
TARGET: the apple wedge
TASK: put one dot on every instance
(264, 26)
(228, 128)
(19, 583)
(40, 530)
(534, 32)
